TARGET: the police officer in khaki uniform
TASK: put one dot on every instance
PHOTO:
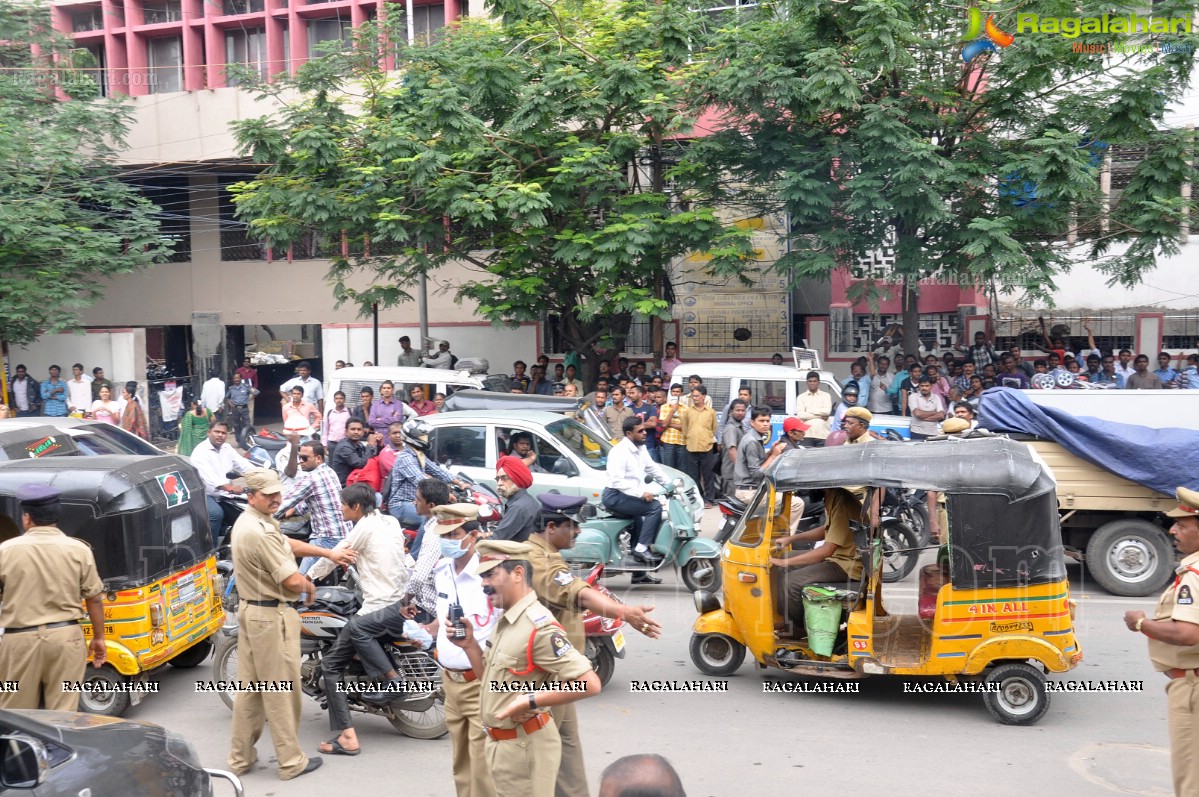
(1174, 645)
(268, 581)
(566, 596)
(530, 666)
(45, 577)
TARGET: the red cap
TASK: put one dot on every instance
(792, 424)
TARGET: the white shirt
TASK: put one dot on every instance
(932, 403)
(313, 392)
(382, 567)
(439, 359)
(1123, 370)
(879, 400)
(467, 589)
(281, 465)
(20, 392)
(79, 393)
(627, 467)
(213, 465)
(212, 395)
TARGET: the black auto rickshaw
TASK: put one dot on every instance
(146, 521)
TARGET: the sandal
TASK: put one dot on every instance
(336, 748)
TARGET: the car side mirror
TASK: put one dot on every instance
(587, 512)
(564, 467)
(24, 763)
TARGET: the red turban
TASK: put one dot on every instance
(517, 471)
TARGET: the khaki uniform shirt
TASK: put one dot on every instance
(527, 627)
(45, 577)
(840, 511)
(262, 559)
(1180, 602)
(558, 589)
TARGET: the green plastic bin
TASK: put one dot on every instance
(822, 616)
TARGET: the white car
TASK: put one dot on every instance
(570, 457)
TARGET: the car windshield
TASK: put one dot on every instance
(585, 444)
(102, 438)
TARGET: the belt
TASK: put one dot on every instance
(1179, 673)
(460, 676)
(268, 604)
(47, 626)
(538, 722)
(243, 406)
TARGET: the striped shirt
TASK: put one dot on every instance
(407, 472)
(320, 493)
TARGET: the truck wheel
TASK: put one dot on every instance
(1130, 557)
(1021, 698)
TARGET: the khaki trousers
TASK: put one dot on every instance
(572, 774)
(40, 661)
(795, 515)
(1182, 701)
(526, 766)
(472, 778)
(268, 650)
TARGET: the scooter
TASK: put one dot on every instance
(607, 539)
(605, 637)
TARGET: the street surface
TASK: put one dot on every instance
(744, 741)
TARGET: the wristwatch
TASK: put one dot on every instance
(1137, 627)
(532, 701)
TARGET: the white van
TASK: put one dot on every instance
(775, 386)
(434, 380)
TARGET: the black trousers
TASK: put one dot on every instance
(700, 464)
(333, 667)
(646, 515)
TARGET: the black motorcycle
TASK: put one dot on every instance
(418, 712)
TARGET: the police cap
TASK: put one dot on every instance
(38, 494)
(1188, 503)
(565, 506)
(451, 516)
(492, 552)
(263, 480)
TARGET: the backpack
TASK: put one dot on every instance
(368, 473)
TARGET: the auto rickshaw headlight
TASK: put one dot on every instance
(157, 614)
(706, 601)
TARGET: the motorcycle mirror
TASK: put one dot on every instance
(232, 475)
(587, 511)
(649, 479)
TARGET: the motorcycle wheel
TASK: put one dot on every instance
(602, 661)
(427, 724)
(224, 666)
(709, 582)
(900, 550)
(916, 517)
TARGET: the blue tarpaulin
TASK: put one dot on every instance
(1160, 459)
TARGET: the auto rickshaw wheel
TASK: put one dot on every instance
(1020, 697)
(716, 654)
(193, 656)
(102, 696)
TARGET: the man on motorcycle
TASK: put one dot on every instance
(625, 496)
(522, 512)
(383, 573)
(752, 459)
(460, 597)
(567, 596)
(213, 459)
(411, 465)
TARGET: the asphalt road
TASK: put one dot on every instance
(745, 741)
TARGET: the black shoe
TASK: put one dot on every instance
(381, 697)
(647, 557)
(314, 763)
(645, 578)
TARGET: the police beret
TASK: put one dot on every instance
(955, 425)
(38, 494)
(262, 480)
(861, 413)
(1188, 503)
(492, 552)
(451, 516)
(566, 505)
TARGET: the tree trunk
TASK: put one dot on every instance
(583, 337)
(911, 316)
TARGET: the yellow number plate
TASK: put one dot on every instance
(618, 640)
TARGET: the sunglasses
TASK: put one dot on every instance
(305, 457)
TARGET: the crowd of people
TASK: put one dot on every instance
(81, 396)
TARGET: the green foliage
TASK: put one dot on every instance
(66, 221)
(510, 148)
(861, 121)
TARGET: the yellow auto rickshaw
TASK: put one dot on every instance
(146, 522)
(994, 611)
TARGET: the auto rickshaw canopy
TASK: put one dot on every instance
(1001, 501)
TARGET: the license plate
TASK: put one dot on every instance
(618, 640)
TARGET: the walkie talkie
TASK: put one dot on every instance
(457, 623)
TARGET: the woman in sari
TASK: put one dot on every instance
(193, 428)
(133, 417)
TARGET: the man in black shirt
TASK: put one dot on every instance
(351, 453)
(522, 512)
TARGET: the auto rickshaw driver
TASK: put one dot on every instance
(835, 562)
